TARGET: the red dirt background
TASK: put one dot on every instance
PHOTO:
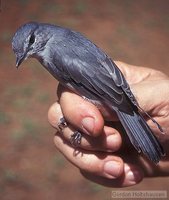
(135, 32)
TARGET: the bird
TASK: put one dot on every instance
(80, 65)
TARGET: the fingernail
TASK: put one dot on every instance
(112, 169)
(88, 124)
(134, 176)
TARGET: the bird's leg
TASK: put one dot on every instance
(62, 123)
(76, 138)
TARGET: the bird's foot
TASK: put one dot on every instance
(76, 138)
(62, 123)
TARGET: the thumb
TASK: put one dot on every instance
(80, 113)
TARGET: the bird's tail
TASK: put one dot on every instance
(141, 136)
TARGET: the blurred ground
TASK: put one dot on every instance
(30, 167)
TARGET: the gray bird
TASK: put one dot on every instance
(80, 65)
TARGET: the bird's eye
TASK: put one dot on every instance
(32, 39)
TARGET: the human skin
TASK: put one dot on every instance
(105, 156)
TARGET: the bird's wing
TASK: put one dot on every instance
(90, 70)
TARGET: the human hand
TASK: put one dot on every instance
(95, 158)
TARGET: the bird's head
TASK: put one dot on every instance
(28, 40)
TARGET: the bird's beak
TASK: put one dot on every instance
(19, 60)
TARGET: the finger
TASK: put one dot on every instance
(100, 164)
(132, 175)
(81, 113)
(109, 140)
(102, 168)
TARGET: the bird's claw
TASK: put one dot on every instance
(76, 138)
(62, 123)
